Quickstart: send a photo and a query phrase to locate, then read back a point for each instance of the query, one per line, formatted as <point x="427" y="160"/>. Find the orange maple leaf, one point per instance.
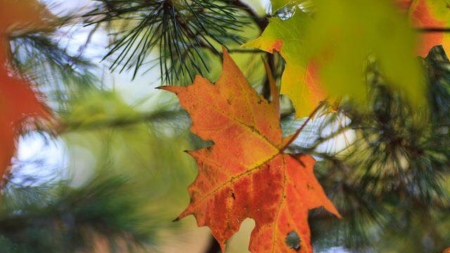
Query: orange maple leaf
<point x="17" y="100"/>
<point x="245" y="174"/>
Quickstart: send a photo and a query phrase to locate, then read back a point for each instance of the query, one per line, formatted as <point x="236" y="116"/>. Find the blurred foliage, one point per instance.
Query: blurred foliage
<point x="55" y="218"/>
<point x="128" y="177"/>
<point x="125" y="185"/>
<point x="139" y="144"/>
<point x="393" y="176"/>
<point x="354" y="31"/>
<point x="61" y="75"/>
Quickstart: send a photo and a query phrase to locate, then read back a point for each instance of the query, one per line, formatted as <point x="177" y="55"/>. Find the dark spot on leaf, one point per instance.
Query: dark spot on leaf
<point x="228" y="101"/>
<point x="232" y="195"/>
<point x="293" y="241"/>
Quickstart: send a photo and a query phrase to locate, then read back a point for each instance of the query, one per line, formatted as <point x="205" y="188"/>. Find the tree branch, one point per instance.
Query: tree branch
<point x="433" y="29"/>
<point x="118" y="122"/>
<point x="213" y="246"/>
<point x="262" y="22"/>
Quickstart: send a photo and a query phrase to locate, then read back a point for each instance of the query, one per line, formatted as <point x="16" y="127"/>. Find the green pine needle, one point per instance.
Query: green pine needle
<point x="182" y="32"/>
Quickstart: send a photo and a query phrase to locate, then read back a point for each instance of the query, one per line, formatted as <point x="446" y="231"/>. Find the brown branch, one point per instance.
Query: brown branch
<point x="433" y="29"/>
<point x="262" y="22"/>
<point x="214" y="246"/>
<point x="246" y="51"/>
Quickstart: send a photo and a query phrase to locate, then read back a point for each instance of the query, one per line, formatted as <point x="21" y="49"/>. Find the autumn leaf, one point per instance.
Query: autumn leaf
<point x="18" y="102"/>
<point x="245" y="174"/>
<point x="326" y="55"/>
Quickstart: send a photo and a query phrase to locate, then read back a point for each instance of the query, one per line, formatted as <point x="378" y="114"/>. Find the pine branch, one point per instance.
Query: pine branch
<point x="151" y="118"/>
<point x="71" y="221"/>
<point x="51" y="67"/>
<point x="213" y="246"/>
<point x="394" y="172"/>
<point x="183" y="32"/>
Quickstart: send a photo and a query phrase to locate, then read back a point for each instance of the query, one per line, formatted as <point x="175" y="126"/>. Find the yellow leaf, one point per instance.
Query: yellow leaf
<point x="334" y="48"/>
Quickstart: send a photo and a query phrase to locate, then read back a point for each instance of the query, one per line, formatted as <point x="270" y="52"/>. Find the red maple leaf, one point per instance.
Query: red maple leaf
<point x="246" y="174"/>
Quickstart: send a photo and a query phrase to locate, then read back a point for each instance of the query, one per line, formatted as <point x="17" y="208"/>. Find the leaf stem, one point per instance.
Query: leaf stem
<point x="295" y="135"/>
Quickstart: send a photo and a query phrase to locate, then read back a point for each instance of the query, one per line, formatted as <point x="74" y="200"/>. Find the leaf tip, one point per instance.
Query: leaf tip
<point x="332" y="209"/>
<point x="173" y="89"/>
<point x="163" y="88"/>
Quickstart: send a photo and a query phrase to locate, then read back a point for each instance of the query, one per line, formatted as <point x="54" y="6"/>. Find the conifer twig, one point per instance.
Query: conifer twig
<point x="295" y="135"/>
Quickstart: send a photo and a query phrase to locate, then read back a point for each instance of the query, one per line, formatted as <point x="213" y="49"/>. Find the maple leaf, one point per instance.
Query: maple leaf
<point x="245" y="174"/>
<point x="18" y="102"/>
<point x="326" y="55"/>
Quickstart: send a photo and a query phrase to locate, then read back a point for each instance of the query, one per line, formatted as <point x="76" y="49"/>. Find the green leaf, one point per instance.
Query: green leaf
<point x="345" y="34"/>
<point x="331" y="51"/>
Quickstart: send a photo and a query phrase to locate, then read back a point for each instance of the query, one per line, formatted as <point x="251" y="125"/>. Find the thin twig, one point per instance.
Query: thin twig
<point x="262" y="22"/>
<point x="246" y="51"/>
<point x="117" y="122"/>
<point x="88" y="40"/>
<point x="214" y="246"/>
<point x="295" y="135"/>
<point x="433" y="29"/>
